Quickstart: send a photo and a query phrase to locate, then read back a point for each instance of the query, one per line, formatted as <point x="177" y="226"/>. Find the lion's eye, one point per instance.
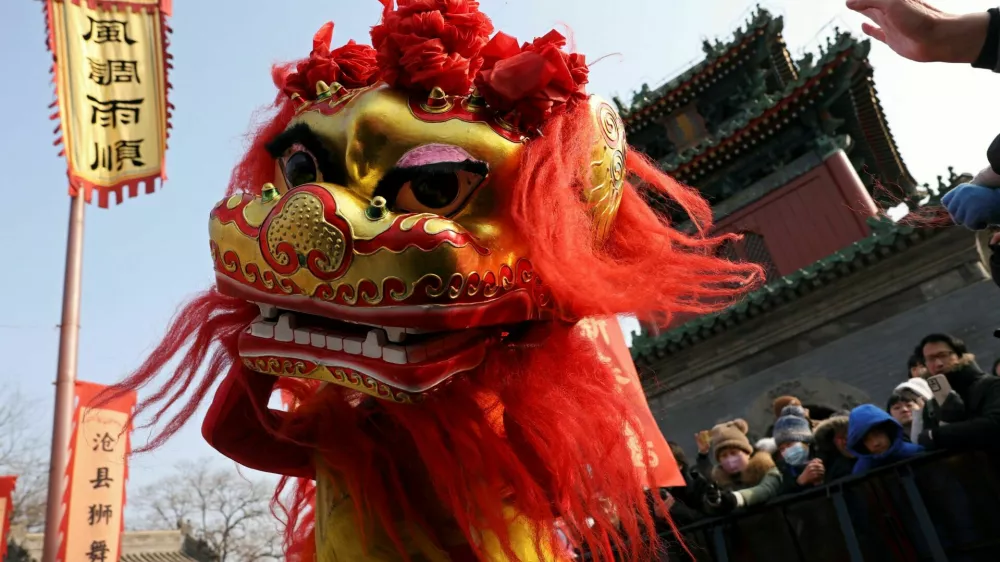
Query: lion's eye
<point x="440" y="188"/>
<point x="300" y="168"/>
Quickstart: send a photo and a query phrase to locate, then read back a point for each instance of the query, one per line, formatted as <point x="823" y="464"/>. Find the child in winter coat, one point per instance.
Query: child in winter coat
<point x="743" y="477"/>
<point x="876" y="439"/>
<point x="793" y="437"/>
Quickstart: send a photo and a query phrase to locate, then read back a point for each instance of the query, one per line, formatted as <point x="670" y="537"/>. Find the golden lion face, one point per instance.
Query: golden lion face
<point x="383" y="256"/>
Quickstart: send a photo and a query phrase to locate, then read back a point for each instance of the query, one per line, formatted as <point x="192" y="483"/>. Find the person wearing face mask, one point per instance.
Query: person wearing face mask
<point x="793" y="437"/>
<point x="743" y="477"/>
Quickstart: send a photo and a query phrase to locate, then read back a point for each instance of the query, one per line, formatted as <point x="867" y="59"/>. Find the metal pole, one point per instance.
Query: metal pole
<point x="69" y="338"/>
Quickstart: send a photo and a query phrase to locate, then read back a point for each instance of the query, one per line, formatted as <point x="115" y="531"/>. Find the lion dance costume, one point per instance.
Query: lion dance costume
<point x="413" y="250"/>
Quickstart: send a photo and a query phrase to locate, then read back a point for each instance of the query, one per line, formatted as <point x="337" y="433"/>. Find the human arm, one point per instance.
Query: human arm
<point x="762" y="492"/>
<point x="241" y="426"/>
<point x="980" y="431"/>
<point x="920" y="32"/>
<point x="973" y="206"/>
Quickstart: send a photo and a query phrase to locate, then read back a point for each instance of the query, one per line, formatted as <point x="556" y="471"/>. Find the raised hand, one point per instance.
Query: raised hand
<point x="813" y="474"/>
<point x="973" y="206"/>
<point x="920" y="32"/>
<point x="704" y="441"/>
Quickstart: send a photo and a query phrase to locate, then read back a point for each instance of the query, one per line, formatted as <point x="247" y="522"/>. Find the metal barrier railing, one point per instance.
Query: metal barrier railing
<point x="938" y="508"/>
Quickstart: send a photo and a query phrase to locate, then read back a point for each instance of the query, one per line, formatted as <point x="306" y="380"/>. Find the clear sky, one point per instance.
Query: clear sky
<point x="146" y="256"/>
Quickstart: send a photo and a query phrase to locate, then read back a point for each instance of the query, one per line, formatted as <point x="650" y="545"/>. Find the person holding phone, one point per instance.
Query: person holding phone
<point x="966" y="399"/>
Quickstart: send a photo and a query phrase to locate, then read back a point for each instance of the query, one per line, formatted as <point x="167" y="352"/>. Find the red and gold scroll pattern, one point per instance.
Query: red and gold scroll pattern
<point x="459" y="288"/>
<point x="607" y="167"/>
<point x="98" y="469"/>
<point x="283" y="367"/>
<point x="652" y="456"/>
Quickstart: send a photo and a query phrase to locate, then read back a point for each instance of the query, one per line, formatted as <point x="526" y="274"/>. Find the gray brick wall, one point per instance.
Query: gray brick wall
<point x="863" y="366"/>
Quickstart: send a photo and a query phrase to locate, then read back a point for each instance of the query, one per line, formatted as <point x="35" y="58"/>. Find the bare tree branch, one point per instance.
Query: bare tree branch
<point x="226" y="510"/>
<point x="23" y="453"/>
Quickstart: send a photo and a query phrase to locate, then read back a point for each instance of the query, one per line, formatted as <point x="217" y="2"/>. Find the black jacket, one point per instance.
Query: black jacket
<point x="837" y="465"/>
<point x="981" y="428"/>
<point x="989" y="55"/>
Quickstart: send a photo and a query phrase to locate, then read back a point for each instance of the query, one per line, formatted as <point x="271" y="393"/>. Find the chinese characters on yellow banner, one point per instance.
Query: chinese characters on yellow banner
<point x="93" y="522"/>
<point x="111" y="84"/>
<point x="653" y="450"/>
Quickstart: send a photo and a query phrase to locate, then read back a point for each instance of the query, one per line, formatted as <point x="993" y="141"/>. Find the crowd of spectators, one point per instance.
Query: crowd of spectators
<point x="946" y="402"/>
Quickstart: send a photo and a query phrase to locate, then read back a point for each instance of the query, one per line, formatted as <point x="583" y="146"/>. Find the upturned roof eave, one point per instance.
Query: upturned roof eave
<point x="763" y="23"/>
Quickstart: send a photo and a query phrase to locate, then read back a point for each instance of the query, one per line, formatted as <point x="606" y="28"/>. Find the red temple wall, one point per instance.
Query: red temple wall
<point x="810" y="218"/>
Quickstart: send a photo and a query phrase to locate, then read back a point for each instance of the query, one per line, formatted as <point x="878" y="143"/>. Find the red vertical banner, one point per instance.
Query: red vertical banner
<point x="92" y="523"/>
<point x="652" y="446"/>
<point x="7" y="484"/>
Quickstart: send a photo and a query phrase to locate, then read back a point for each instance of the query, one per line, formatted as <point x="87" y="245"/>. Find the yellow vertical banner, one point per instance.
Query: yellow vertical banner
<point x="110" y="68"/>
<point x="93" y="517"/>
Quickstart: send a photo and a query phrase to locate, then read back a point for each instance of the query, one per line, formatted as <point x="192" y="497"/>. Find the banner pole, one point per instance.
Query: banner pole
<point x="69" y="340"/>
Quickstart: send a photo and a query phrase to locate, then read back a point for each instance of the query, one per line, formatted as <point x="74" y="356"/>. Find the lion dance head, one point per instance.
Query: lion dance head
<point x="403" y="252"/>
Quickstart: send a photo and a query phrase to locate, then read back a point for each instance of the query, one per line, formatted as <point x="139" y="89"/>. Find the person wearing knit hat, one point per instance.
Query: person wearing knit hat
<point x="793" y="435"/>
<point x="792" y="427"/>
<point x="780" y="402"/>
<point x="743" y="477"/>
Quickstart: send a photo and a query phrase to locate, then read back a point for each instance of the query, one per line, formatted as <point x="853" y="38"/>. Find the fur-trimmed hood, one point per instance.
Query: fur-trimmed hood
<point x="825" y="432"/>
<point x="759" y="465"/>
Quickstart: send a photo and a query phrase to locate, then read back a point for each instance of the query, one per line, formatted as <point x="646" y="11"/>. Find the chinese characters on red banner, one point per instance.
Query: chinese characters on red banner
<point x="651" y="452"/>
<point x="98" y="470"/>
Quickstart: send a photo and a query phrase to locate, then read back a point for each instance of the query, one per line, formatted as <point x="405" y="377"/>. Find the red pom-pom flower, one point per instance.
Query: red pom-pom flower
<point x="423" y="44"/>
<point x="352" y="65"/>
<point x="528" y="84"/>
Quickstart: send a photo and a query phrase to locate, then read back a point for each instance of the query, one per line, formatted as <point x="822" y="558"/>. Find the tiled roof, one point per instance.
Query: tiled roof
<point x="765" y="112"/>
<point x="655" y="102"/>
<point x="887" y="239"/>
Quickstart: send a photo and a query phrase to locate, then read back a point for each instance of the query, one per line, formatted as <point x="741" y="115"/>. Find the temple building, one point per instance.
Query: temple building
<point x="172" y="545"/>
<point x="798" y="157"/>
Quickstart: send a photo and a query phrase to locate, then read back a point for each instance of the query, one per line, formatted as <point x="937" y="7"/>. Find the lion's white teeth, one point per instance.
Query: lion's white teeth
<point x="284" y="330"/>
<point x="353" y="345"/>
<point x="262" y="329"/>
<point x="268" y="311"/>
<point x="394" y="354"/>
<point x="302" y="336"/>
<point x="374" y="343"/>
<point x="396" y="335"/>
<point x="385" y="343"/>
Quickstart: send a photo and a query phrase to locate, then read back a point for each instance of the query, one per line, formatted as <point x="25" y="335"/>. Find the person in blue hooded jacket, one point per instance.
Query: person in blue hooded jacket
<point x="876" y="439"/>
